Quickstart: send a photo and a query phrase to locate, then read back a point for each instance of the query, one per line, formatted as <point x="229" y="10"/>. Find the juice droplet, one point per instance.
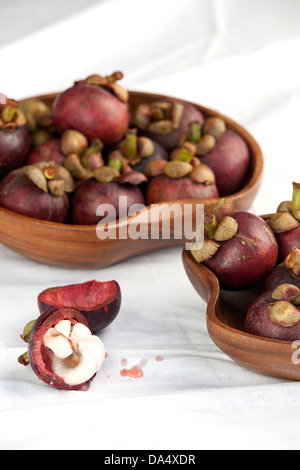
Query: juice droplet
<point x="136" y="372"/>
<point x="159" y="358"/>
<point x="123" y="362"/>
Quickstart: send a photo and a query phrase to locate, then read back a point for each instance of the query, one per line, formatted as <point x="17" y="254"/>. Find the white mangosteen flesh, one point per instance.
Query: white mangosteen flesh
<point x="77" y="354"/>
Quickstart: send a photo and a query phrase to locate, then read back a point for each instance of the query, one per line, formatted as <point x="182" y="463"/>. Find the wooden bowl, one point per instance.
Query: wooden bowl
<point x="74" y="246"/>
<point x="225" y="317"/>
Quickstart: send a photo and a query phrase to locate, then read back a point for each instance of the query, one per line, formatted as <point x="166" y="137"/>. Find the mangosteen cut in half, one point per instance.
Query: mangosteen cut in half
<point x="98" y="301"/>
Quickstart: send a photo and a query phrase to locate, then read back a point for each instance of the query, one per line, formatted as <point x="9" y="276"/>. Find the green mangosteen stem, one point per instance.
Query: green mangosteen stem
<point x="186" y="153"/>
<point x="131" y="145"/>
<point x="210" y="225"/>
<point x="114" y="77"/>
<point x="296" y="201"/>
<point x="115" y="162"/>
<point x="195" y="131"/>
<point x="8" y="113"/>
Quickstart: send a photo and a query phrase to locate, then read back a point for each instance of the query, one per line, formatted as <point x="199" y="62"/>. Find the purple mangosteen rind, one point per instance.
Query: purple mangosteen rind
<point x="91" y="194"/>
<point x="246" y="259"/>
<point x="99" y="315"/>
<point x="40" y="357"/>
<point x="14" y="149"/>
<point x="286" y="272"/>
<point x="163" y="188"/>
<point x="239" y="247"/>
<point x="230" y="161"/>
<point x="18" y="191"/>
<point x="92" y="109"/>
<point x="275" y="314"/>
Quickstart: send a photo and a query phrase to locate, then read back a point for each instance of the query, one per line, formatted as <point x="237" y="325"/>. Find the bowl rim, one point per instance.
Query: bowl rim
<point x="254" y="179"/>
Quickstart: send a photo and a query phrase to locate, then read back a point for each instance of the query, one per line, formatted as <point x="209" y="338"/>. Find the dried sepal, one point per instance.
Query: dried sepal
<point x="27" y="331"/>
<point x="106" y="174"/>
<point x="74" y="165"/>
<point x="202" y="174"/>
<point x="36" y="175"/>
<point x="292" y="261"/>
<point x="284" y="313"/>
<point x="177" y="169"/>
<point x="214" y="126"/>
<point x="109" y="82"/>
<point x="282" y="222"/>
<point x="227" y="229"/>
<point x="285" y="292"/>
<point x="205" y="145"/>
<point x="208" y="249"/>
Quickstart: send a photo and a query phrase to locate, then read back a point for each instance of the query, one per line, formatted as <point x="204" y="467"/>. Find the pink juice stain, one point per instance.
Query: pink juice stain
<point x="159" y="358"/>
<point x="136" y="372"/>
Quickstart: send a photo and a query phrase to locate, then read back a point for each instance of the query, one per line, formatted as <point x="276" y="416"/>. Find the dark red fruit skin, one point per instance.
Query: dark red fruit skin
<point x="90" y="194"/>
<point x="287" y="241"/>
<point x="99" y="302"/>
<point x="48" y="152"/>
<point x="93" y="111"/>
<point x="258" y="322"/>
<point x="171" y="141"/>
<point x="229" y="161"/>
<point x="40" y="356"/>
<point x="280" y="275"/>
<point x="14" y="149"/>
<point x="19" y="194"/>
<point x="246" y="259"/>
<point x="163" y="188"/>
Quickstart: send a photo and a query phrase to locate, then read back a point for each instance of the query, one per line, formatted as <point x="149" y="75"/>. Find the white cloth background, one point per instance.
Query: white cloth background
<point x="239" y="57"/>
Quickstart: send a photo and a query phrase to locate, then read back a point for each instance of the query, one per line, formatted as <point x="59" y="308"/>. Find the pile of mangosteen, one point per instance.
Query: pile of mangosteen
<point x="246" y="251"/>
<point x="92" y="145"/>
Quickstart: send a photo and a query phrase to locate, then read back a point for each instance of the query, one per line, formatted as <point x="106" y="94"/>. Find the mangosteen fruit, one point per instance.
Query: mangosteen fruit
<point x="49" y="151"/>
<point x="39" y="121"/>
<point x="285" y="223"/>
<point x="14" y="138"/>
<point x="181" y="178"/>
<point x="62" y="351"/>
<point x="96" y="106"/>
<point x="106" y="187"/>
<point x="286" y="272"/>
<point x="239" y="247"/>
<point x="276" y="314"/>
<point x="98" y="301"/>
<point x="39" y="191"/>
<point x="230" y="160"/>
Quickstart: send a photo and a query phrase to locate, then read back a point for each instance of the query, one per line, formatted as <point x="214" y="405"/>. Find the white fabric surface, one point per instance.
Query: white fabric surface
<point x="241" y="58"/>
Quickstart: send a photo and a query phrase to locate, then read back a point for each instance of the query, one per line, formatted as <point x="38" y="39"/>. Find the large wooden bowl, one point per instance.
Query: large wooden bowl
<point x="74" y="246"/>
<point x="225" y="317"/>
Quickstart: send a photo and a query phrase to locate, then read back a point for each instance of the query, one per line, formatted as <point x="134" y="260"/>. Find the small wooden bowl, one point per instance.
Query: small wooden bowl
<point x="225" y="317"/>
<point x="74" y="246"/>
